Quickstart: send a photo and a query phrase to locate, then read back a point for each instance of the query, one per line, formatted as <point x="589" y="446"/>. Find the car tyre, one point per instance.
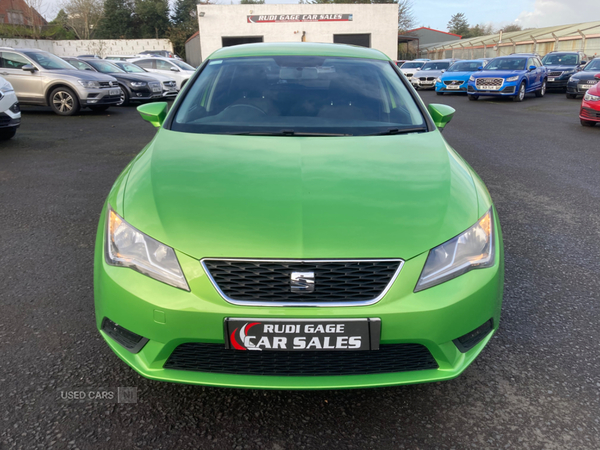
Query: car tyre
<point x="520" y="94"/>
<point x="7" y="133"/>
<point x="473" y="97"/>
<point x="99" y="108"/>
<point x="587" y="123"/>
<point x="64" y="102"/>
<point x="571" y="96"/>
<point x="541" y="91"/>
<point x="124" y="100"/>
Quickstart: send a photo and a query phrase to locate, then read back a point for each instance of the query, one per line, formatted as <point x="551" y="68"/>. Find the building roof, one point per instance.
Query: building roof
<point x="298" y="48"/>
<point x="197" y="33"/>
<point x="540" y="35"/>
<point x="431" y="29"/>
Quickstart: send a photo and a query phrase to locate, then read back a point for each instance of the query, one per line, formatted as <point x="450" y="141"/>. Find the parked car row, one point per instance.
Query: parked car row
<point x="70" y="84"/>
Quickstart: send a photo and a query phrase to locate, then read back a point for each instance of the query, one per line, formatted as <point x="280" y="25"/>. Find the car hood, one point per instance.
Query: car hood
<point x="497" y="73"/>
<point x="560" y="67"/>
<point x="134" y="77"/>
<point x="583" y="75"/>
<point x="429" y="73"/>
<point x="158" y="76"/>
<point x="457" y="75"/>
<point x="300" y="197"/>
<point x="81" y="75"/>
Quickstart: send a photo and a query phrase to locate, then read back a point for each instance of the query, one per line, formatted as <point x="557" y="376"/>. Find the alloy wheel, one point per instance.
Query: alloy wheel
<point x="63" y="101"/>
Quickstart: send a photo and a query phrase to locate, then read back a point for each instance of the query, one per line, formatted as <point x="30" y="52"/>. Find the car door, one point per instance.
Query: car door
<point x="533" y="76"/>
<point x="148" y="64"/>
<point x="166" y="68"/>
<point x="27" y="85"/>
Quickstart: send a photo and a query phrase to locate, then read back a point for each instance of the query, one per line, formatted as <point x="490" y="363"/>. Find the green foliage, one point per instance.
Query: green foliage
<point x="152" y="18"/>
<point x="459" y="25"/>
<point x="512" y="27"/>
<point x="117" y="22"/>
<point x="251" y="2"/>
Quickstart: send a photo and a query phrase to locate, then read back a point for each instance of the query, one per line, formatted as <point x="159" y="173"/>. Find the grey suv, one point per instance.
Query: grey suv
<point x="41" y="78"/>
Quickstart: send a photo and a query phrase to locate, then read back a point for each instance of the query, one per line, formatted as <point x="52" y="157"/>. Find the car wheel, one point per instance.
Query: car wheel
<point x="124" y="100"/>
<point x="7" y="133"/>
<point x="521" y="94"/>
<point x="571" y="96"/>
<point x="542" y="91"/>
<point x="99" y="108"/>
<point x="439" y="93"/>
<point x="473" y="97"/>
<point x="64" y="102"/>
<point x="587" y="123"/>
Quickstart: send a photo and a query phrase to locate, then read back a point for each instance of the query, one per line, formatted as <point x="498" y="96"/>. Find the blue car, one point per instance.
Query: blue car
<point x="455" y="79"/>
<point x="510" y="76"/>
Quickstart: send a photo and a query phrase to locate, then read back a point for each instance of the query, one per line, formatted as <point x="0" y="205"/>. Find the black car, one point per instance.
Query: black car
<point x="134" y="86"/>
<point x="580" y="82"/>
<point x="170" y="89"/>
<point x="561" y="66"/>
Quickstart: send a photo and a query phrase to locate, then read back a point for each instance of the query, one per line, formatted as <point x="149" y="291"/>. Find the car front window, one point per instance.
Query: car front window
<point x="506" y="64"/>
<point x="436" y="66"/>
<point x="104" y="67"/>
<point x="412" y="65"/>
<point x="593" y="66"/>
<point x="466" y="66"/>
<point x="131" y="68"/>
<point x="49" y="61"/>
<point x="182" y="65"/>
<point x="298" y="95"/>
<point x="561" y="59"/>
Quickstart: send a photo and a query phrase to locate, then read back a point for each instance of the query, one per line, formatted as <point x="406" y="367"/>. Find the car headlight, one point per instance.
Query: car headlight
<point x="591" y="98"/>
<point x="414" y="79"/>
<point x="438" y="80"/>
<point x="572" y="80"/>
<point x="129" y="247"/>
<point x="138" y="83"/>
<point x="6" y="89"/>
<point x="512" y="78"/>
<point x="89" y="84"/>
<point x="472" y="249"/>
<point x="471" y="78"/>
<point x="568" y="72"/>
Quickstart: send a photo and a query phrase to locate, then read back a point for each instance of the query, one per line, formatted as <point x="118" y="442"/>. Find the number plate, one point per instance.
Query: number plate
<point x="114" y="92"/>
<point x="156" y="90"/>
<point x="551" y="79"/>
<point x="452" y="87"/>
<point x="489" y="88"/>
<point x="302" y="334"/>
<point x="587" y="86"/>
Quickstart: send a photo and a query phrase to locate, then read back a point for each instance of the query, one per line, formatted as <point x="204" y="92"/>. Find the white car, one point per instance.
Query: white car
<point x="169" y="85"/>
<point x="409" y="68"/>
<point x="171" y="67"/>
<point x="121" y="57"/>
<point x="10" y="113"/>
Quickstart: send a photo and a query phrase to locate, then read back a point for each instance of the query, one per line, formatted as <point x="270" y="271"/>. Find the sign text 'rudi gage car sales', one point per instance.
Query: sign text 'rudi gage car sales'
<point x="279" y="18"/>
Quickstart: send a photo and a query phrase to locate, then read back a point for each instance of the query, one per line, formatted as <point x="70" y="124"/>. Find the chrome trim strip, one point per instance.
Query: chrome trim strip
<point x="302" y="304"/>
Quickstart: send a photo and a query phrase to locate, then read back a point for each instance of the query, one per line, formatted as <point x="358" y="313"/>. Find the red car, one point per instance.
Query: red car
<point x="590" y="106"/>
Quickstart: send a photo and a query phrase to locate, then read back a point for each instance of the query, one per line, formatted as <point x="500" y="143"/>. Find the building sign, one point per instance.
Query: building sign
<point x="283" y="18"/>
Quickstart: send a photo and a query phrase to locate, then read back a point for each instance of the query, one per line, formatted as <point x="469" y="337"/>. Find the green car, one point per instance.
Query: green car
<point x="298" y="222"/>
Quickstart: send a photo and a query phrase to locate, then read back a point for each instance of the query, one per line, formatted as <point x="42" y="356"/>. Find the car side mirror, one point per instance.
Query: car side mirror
<point x="532" y="68"/>
<point x="155" y="113"/>
<point x="583" y="63"/>
<point x="443" y="70"/>
<point x="480" y="68"/>
<point x="174" y="69"/>
<point x="29" y="68"/>
<point x="441" y="114"/>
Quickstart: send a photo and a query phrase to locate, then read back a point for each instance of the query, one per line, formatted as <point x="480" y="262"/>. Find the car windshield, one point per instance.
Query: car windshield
<point x="593" y="66"/>
<point x="466" y="66"/>
<point x="561" y="59"/>
<point x="506" y="64"/>
<point x="298" y="95"/>
<point x="104" y="66"/>
<point x="412" y="65"/>
<point x="434" y="65"/>
<point x="49" y="61"/>
<point x="181" y="64"/>
<point x="130" y="68"/>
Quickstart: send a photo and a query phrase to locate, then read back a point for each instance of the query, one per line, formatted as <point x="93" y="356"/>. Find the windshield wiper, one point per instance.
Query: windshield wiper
<point x="286" y="133"/>
<point x="400" y="131"/>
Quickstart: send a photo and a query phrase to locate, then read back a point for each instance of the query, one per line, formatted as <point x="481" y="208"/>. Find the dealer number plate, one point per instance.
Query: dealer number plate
<point x="551" y="79"/>
<point x="452" y="87"/>
<point x="156" y="89"/>
<point x="587" y="86"/>
<point x="114" y="92"/>
<point x="302" y="334"/>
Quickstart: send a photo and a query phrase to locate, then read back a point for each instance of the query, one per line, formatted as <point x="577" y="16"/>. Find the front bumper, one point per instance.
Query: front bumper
<point x="95" y="97"/>
<point x="441" y="87"/>
<point x="558" y="83"/>
<point x="144" y="94"/>
<point x="576" y="87"/>
<point x="507" y="89"/>
<point x="590" y="112"/>
<point x="11" y="117"/>
<point x="423" y="84"/>
<point x="168" y="317"/>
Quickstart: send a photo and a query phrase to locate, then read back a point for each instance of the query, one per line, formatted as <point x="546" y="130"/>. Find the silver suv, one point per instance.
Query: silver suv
<point x="43" y="79"/>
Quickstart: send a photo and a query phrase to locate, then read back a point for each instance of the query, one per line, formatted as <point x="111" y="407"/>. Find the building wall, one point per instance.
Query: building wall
<point x="17" y="12"/>
<point x="379" y="20"/>
<point x="193" y="56"/>
<point x="102" y="47"/>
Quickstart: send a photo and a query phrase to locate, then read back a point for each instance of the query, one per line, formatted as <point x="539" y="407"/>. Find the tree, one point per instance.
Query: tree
<point x="459" y="25"/>
<point x="152" y="18"/>
<point x="117" y="22"/>
<point x="406" y="16"/>
<point x="480" y="30"/>
<point x="512" y="27"/>
<point x="83" y="16"/>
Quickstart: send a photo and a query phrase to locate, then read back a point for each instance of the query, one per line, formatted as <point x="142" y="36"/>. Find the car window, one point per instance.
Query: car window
<point x="182" y="65"/>
<point x="298" y="94"/>
<point x="49" y="61"/>
<point x="466" y="66"/>
<point x="13" y="60"/>
<point x="130" y="68"/>
<point x="80" y="65"/>
<point x="163" y="65"/>
<point x="506" y="64"/>
<point x="104" y="66"/>
<point x="561" y="59"/>
<point x="530" y="62"/>
<point x="146" y="63"/>
<point x="433" y="65"/>
<point x="412" y="65"/>
<point x="593" y="66"/>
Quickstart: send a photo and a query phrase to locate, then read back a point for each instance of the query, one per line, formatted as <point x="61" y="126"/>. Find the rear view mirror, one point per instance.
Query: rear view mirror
<point x="441" y="114"/>
<point x="480" y="68"/>
<point x="29" y="68"/>
<point x="532" y="67"/>
<point x="155" y="113"/>
<point x="174" y="69"/>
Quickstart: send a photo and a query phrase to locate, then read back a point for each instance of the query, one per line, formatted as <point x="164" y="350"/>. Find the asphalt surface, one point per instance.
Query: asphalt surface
<point x="536" y="385"/>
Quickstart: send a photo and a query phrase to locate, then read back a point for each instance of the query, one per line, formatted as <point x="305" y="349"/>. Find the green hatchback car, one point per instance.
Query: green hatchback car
<point x="298" y="222"/>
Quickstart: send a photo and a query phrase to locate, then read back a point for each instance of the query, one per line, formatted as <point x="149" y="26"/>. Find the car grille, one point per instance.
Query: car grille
<point x="409" y="75"/>
<point x="590" y="113"/>
<point x="426" y="78"/>
<point x="453" y="82"/>
<point x="215" y="358"/>
<point x="588" y="82"/>
<point x="483" y="83"/>
<point x="169" y="84"/>
<point x="268" y="281"/>
<point x="554" y="74"/>
<point x="107" y="84"/>
<point x="154" y="84"/>
<point x="4" y="119"/>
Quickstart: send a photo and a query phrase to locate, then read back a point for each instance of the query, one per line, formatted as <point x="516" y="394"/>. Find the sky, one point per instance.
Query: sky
<point x="436" y="13"/>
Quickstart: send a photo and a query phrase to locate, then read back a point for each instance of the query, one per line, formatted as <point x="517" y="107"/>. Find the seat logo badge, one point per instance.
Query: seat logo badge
<point x="302" y="282"/>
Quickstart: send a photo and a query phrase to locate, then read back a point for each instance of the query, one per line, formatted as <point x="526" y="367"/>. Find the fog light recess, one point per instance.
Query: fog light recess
<point x="131" y="341"/>
<point x="471" y="339"/>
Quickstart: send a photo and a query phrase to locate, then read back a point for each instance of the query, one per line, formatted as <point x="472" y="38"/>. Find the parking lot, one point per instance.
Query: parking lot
<point x="536" y="385"/>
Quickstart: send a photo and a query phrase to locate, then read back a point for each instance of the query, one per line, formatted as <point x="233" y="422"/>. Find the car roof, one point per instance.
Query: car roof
<point x="297" y="48"/>
<point x="24" y="49"/>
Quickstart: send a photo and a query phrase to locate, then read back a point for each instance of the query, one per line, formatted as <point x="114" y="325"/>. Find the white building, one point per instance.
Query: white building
<point x="368" y="25"/>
